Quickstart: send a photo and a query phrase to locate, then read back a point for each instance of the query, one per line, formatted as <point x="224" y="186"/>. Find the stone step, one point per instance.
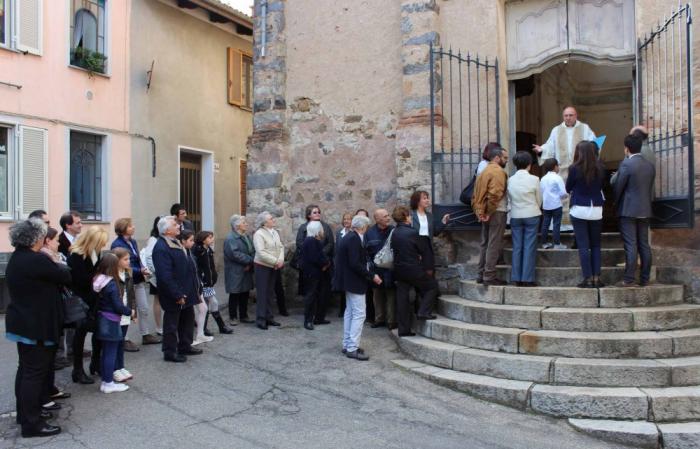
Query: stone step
<point x="627" y="345"/>
<point x="607" y="239"/>
<point x="608" y="297"/>
<point x="683" y="371"/>
<point x="679" y="316"/>
<point x="680" y="435"/>
<point x="674" y="404"/>
<point x="610" y="257"/>
<point x="637" y="434"/>
<point x="568" y="276"/>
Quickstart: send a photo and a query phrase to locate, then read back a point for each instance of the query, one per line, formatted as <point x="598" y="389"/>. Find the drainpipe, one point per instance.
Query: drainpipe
<point x="263" y="38"/>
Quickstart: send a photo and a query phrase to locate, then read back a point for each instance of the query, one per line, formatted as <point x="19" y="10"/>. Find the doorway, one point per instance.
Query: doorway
<point x="191" y="187"/>
<point x="603" y="97"/>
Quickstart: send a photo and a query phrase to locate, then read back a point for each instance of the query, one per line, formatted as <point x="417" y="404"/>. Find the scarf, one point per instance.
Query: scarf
<point x="563" y="155"/>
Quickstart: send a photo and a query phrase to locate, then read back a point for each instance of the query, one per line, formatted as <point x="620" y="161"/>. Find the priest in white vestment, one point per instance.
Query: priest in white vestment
<point x="561" y="145"/>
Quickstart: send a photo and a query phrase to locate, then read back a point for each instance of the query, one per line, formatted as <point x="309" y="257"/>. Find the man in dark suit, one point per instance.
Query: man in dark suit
<point x="634" y="192"/>
<point x="352" y="276"/>
<point x="410" y="272"/>
<point x="178" y="291"/>
<point x="71" y="224"/>
<point x="179" y="213"/>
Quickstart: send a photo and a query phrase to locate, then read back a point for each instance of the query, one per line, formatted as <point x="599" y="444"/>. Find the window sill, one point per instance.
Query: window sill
<point x="96" y="222"/>
<point x="10" y="49"/>
<point x="7" y="220"/>
<point x="103" y="75"/>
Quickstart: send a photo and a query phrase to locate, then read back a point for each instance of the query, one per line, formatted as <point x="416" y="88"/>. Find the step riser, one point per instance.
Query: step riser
<point x="643" y="347"/>
<point x="654" y="295"/>
<point x="569" y="257"/>
<point x="581" y="402"/>
<point x="674" y="404"/>
<point x="607" y="240"/>
<point x="570" y="319"/>
<point x="569" y="277"/>
<point x="557" y="371"/>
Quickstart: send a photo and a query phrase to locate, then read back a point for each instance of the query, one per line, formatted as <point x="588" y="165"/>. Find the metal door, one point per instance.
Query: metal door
<point x="191" y="188"/>
<point x="464" y="117"/>
<point x="665" y="106"/>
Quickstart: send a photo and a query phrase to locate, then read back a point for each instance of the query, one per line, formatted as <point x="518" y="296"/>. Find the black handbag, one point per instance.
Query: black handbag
<point x="466" y="195"/>
<point x="74" y="308"/>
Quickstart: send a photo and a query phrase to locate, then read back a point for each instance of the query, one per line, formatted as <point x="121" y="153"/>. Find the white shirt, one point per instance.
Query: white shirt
<point x="553" y="191"/>
<point x="125" y="320"/>
<point x="423" y="220"/>
<point x="587" y="212"/>
<point x="482" y="165"/>
<point x="524" y="195"/>
<point x="70" y="237"/>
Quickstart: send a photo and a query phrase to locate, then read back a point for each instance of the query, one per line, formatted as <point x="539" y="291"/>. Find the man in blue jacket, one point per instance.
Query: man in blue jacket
<point x="383" y="295"/>
<point x="178" y="291"/>
<point x="352" y="276"/>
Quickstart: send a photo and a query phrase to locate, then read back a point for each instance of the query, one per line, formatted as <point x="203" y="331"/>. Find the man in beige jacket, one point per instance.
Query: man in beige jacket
<point x="490" y="206"/>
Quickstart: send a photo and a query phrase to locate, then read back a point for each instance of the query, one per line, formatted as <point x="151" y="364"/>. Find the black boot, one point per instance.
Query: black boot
<point x="206" y="331"/>
<point x="223" y="329"/>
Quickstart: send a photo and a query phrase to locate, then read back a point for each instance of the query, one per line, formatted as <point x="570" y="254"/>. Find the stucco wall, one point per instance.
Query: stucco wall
<point x="186" y="105"/>
<point x="56" y="97"/>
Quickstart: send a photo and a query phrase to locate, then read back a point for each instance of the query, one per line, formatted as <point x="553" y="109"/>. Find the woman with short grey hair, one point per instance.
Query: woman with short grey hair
<point x="34" y="322"/>
<point x="164" y="223"/>
<point x="238" y="269"/>
<point x="313" y="264"/>
<point x="269" y="257"/>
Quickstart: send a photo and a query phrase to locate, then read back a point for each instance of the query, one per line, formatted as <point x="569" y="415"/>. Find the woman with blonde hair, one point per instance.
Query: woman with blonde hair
<point x="83" y="259"/>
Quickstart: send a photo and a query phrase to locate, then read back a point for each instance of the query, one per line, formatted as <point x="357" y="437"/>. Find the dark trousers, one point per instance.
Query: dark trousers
<point x="120" y="349"/>
<point x="109" y="359"/>
<point x="587" y="234"/>
<point x="279" y="292"/>
<point x="369" y="304"/>
<point x="341" y="304"/>
<point x="238" y="305"/>
<point x="79" y="344"/>
<point x="491" y="245"/>
<point x="31" y="382"/>
<point x="178" y="330"/>
<point x="551" y="216"/>
<point x="312" y="291"/>
<point x="265" y="278"/>
<point x="428" y="288"/>
<point x="635" y="235"/>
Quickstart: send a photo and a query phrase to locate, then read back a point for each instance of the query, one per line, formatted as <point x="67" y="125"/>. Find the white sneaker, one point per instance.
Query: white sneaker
<point x="119" y="376"/>
<point x="547" y="246"/>
<point x="127" y="373"/>
<point x="560" y="246"/>
<point x="111" y="387"/>
<point x="201" y="339"/>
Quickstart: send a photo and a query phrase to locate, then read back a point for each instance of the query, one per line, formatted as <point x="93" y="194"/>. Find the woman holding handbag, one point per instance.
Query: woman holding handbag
<point x="83" y="259"/>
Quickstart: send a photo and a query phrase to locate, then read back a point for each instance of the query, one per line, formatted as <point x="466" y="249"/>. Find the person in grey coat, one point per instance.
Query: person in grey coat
<point x="634" y="192"/>
<point x="238" y="269"/>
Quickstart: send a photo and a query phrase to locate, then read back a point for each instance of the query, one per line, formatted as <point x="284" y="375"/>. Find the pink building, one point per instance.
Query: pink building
<point x="64" y="140"/>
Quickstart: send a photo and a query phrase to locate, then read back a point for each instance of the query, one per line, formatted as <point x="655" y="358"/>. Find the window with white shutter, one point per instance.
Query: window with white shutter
<point x="6" y="138"/>
<point x="32" y="169"/>
<point x="29" y="25"/>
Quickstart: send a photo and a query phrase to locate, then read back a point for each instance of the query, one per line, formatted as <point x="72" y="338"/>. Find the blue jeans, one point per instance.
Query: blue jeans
<point x="524" y="235"/>
<point x="554" y="216"/>
<point x="109" y="359"/>
<point x="353" y="321"/>
<point x="120" y="350"/>
<point x="587" y="233"/>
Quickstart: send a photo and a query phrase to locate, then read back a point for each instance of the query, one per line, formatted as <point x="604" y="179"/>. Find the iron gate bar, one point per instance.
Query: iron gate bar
<point x="477" y="91"/>
<point x="670" y="123"/>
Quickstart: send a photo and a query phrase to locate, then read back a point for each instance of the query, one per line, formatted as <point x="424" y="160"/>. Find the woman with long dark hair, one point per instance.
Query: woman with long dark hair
<point x="146" y="255"/>
<point x="585" y="184"/>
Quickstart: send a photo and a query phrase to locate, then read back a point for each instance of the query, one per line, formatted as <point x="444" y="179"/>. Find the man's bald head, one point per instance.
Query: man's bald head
<point x="382" y="218"/>
<point x="570" y="116"/>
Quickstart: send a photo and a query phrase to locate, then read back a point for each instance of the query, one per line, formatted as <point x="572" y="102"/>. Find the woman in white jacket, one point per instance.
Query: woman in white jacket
<point x="146" y="256"/>
<point x="269" y="257"/>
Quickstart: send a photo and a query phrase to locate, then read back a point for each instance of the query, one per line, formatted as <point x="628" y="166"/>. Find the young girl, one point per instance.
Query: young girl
<point x="201" y="310"/>
<point x="553" y="192"/>
<point x="112" y="310"/>
<point x="204" y="256"/>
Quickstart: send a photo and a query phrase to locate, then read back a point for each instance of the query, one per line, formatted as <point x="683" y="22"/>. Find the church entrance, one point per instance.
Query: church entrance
<point x="602" y="96"/>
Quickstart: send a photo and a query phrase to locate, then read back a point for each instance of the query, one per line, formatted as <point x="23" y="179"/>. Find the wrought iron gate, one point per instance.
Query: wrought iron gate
<point x="665" y="106"/>
<point x="464" y="117"/>
<point x="191" y="188"/>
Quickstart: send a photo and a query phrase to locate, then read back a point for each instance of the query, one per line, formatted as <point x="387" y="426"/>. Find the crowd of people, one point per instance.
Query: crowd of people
<point x="533" y="204"/>
<point x="64" y="284"/>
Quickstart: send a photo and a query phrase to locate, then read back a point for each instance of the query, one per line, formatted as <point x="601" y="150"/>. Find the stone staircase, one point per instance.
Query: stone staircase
<point x="620" y="363"/>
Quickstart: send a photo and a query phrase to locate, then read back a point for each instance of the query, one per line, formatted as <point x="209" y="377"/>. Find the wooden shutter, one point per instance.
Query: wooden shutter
<point x="244" y="178"/>
<point x="29" y="26"/>
<point x="33" y="178"/>
<point x="235" y="72"/>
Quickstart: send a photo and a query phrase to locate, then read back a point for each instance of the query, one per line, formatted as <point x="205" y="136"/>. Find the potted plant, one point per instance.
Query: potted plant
<point x="92" y="61"/>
